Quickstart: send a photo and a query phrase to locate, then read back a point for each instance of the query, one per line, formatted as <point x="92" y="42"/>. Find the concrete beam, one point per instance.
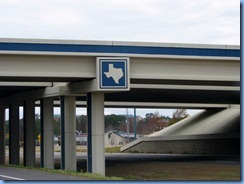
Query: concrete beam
<point x="141" y="67"/>
<point x="164" y="105"/>
<point x="25" y="84"/>
<point x="34" y="94"/>
<point x="185" y="87"/>
<point x="185" y="69"/>
<point x="109" y="104"/>
<point x="48" y="67"/>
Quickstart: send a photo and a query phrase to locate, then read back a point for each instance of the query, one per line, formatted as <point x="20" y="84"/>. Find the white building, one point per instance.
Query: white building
<point x="113" y="138"/>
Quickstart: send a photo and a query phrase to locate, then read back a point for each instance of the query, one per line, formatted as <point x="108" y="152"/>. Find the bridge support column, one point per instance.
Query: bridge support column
<point x="14" y="143"/>
<point x="2" y="136"/>
<point x="47" y="138"/>
<point x="29" y="133"/>
<point x="95" y="114"/>
<point x="68" y="133"/>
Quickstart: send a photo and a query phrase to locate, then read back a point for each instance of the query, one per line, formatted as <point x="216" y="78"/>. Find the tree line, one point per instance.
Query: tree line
<point x="152" y="122"/>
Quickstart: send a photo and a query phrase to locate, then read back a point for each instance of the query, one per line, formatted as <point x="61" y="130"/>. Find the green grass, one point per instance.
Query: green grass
<point x="69" y="173"/>
<point x="112" y="149"/>
<point x="83" y="149"/>
<point x="172" y="171"/>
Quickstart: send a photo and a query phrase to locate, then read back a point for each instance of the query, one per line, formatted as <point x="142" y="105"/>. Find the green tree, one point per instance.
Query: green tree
<point x="178" y="115"/>
<point x="37" y="125"/>
<point x="56" y="127"/>
<point x="149" y="115"/>
<point x="113" y="121"/>
<point x="6" y="130"/>
<point x="151" y="123"/>
<point x="81" y="123"/>
<point x="6" y="126"/>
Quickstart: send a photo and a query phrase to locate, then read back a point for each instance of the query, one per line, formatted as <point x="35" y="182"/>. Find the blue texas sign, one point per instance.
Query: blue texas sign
<point x="113" y="73"/>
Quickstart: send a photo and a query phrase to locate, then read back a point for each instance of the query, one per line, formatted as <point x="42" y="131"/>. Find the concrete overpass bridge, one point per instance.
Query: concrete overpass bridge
<point x="157" y="75"/>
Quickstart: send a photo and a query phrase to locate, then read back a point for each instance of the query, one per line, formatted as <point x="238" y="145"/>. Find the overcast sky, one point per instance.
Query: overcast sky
<point x="177" y="21"/>
<point x="174" y="21"/>
<point x="118" y="111"/>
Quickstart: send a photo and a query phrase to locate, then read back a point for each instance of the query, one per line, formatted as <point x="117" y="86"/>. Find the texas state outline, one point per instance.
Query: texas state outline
<point x="115" y="73"/>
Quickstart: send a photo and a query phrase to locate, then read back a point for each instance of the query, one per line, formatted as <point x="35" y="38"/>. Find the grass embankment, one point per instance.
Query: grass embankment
<point x="80" y="149"/>
<point x="190" y="171"/>
<point x="165" y="171"/>
<point x="73" y="173"/>
<point x="69" y="173"/>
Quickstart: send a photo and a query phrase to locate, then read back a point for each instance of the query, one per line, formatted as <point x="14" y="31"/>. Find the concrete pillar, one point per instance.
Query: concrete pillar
<point x="68" y="133"/>
<point x="47" y="137"/>
<point x="14" y="134"/>
<point x="95" y="113"/>
<point x="2" y="136"/>
<point x="29" y="133"/>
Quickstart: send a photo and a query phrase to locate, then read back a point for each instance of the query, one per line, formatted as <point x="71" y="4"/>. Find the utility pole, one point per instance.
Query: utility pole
<point x="134" y="123"/>
<point x="127" y="124"/>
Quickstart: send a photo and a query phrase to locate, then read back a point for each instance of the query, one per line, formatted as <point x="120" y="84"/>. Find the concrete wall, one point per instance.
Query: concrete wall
<point x="202" y="145"/>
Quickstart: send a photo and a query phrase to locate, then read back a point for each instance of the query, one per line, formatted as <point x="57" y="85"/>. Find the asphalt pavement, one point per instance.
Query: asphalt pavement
<point x="18" y="174"/>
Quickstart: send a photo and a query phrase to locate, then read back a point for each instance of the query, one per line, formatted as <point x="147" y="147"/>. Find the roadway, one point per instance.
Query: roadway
<point x="10" y="173"/>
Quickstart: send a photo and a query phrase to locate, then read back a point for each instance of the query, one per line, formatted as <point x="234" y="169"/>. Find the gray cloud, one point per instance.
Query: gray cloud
<point x="182" y="21"/>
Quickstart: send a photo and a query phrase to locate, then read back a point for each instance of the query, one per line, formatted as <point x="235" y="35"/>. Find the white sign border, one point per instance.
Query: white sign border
<point x="127" y="74"/>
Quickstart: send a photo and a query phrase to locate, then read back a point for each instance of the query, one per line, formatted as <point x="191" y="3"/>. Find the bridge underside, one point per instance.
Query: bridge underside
<point x="175" y="96"/>
<point x="159" y="93"/>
